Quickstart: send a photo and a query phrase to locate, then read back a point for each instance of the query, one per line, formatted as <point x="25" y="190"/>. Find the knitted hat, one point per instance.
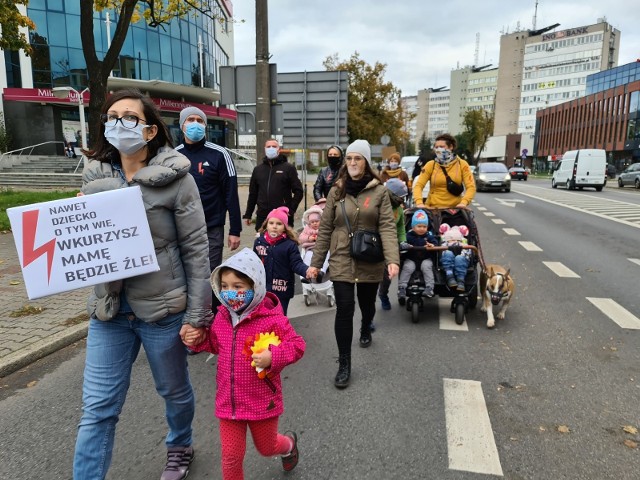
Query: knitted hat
<point x="419" y="218"/>
<point x="394" y="157"/>
<point x="397" y="187"/>
<point x="361" y="147"/>
<point x="314" y="210"/>
<point x="185" y="113"/>
<point x="281" y="213"/>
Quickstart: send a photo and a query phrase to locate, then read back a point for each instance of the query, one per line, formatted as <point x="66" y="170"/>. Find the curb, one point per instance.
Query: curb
<point x="42" y="348"/>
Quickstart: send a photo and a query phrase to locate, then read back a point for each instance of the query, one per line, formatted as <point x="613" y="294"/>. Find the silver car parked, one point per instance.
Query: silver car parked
<point x="630" y="176"/>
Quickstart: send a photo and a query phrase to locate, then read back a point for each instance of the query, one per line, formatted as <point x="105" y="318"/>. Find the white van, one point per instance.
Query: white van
<point x="581" y="168"/>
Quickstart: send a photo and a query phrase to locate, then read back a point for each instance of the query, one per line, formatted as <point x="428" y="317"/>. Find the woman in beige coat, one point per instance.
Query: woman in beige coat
<point x="368" y="207"/>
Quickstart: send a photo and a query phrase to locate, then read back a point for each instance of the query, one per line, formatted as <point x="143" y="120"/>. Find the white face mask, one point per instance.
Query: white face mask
<point x="125" y="140"/>
<point x="271" y="152"/>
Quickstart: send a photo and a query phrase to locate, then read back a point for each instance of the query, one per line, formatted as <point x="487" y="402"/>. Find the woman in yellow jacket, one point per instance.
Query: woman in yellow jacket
<point x="435" y="172"/>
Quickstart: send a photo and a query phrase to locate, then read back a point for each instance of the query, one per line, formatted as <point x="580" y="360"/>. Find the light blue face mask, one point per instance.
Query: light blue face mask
<point x="195" y="131"/>
<point x="125" y="140"/>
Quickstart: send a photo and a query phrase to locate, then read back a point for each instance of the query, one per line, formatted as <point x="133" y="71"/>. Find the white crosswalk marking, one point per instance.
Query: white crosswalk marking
<point x="470" y="442"/>
<point x="448" y="319"/>
<point x="511" y="231"/>
<point x="497" y="221"/>
<point x="634" y="260"/>
<point x="616" y="312"/>
<point x="560" y="270"/>
<point x="482" y="209"/>
<point x="489" y="214"/>
<point x="530" y="246"/>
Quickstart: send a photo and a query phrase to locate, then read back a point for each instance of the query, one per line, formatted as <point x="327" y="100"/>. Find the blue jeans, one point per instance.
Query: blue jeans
<point x="112" y="347"/>
<point x="454" y="264"/>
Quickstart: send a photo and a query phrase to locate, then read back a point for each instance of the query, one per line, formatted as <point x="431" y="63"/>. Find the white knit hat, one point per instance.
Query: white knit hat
<point x="362" y="147"/>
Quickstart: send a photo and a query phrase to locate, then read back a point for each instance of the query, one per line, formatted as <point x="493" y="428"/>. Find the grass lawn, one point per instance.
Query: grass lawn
<point x="16" y="198"/>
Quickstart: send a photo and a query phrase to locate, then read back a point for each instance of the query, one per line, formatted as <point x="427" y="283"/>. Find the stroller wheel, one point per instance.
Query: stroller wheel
<point x="307" y="302"/>
<point x="331" y="301"/>
<point x="415" y="312"/>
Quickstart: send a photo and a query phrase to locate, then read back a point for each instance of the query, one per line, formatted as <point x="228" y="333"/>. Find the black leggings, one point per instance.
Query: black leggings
<point x="345" y="309"/>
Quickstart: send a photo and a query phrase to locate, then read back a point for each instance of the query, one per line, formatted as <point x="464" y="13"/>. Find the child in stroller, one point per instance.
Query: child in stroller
<point x="308" y="236"/>
<point x="463" y="298"/>
<point x="417" y="258"/>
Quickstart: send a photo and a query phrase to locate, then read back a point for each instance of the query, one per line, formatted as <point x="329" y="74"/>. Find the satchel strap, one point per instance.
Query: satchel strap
<point x="346" y="218"/>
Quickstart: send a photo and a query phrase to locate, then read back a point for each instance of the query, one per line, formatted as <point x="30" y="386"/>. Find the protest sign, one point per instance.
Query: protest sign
<point x="76" y="242"/>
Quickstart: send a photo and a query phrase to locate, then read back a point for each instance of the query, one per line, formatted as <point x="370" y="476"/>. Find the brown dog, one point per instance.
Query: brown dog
<point x="496" y="287"/>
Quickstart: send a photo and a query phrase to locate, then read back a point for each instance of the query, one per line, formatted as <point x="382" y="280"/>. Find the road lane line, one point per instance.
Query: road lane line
<point x="616" y="312"/>
<point x="448" y="319"/>
<point x="560" y="270"/>
<point x="489" y="214"/>
<point x="634" y="260"/>
<point x="511" y="231"/>
<point x="470" y="442"/>
<point x="482" y="209"/>
<point x="497" y="221"/>
<point x="530" y="246"/>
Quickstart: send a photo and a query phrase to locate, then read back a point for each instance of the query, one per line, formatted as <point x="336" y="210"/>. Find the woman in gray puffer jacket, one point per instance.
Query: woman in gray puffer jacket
<point x="134" y="149"/>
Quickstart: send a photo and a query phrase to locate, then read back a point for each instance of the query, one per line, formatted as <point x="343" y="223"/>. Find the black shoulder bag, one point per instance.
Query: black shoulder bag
<point x="453" y="188"/>
<point x="366" y="246"/>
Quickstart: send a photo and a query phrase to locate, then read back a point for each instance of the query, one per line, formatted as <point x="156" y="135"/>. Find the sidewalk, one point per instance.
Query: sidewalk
<point x="32" y="329"/>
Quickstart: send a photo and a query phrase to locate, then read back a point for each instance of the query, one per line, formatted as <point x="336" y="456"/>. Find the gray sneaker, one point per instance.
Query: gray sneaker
<point x="178" y="461"/>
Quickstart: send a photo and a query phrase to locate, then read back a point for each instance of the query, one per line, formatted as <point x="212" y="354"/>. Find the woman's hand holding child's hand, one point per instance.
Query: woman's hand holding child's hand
<point x="262" y="359"/>
<point x="191" y="335"/>
<point x="312" y="272"/>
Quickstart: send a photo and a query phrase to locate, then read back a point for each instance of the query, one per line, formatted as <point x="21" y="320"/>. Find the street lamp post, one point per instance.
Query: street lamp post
<point x="65" y="92"/>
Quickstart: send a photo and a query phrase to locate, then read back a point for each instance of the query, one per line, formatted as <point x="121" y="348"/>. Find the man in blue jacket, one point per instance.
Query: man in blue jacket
<point x="215" y="175"/>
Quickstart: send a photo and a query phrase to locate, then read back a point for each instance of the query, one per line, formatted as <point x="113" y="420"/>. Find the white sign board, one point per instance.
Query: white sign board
<point x="77" y="242"/>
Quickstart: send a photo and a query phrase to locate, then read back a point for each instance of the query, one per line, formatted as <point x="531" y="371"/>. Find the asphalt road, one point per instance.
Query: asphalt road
<point x="557" y="381"/>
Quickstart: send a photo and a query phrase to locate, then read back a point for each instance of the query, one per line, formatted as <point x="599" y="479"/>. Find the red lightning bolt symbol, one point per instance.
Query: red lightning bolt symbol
<point x="29" y="253"/>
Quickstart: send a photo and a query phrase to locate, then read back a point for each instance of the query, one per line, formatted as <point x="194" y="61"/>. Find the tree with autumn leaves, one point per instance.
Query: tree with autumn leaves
<point x="157" y="14"/>
<point x="375" y="108"/>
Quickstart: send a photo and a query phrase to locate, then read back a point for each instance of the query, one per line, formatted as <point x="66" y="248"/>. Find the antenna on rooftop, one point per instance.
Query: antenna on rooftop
<point x="476" y="59"/>
<point x="535" y="16"/>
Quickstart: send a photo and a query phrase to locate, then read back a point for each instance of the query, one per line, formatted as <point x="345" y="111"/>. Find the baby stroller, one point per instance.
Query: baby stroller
<point x="315" y="288"/>
<point x="461" y="300"/>
<point x="322" y="285"/>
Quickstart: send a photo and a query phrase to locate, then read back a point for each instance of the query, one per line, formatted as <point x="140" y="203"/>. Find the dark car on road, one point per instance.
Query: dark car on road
<point x="630" y="176"/>
<point x="492" y="176"/>
<point x="518" y="173"/>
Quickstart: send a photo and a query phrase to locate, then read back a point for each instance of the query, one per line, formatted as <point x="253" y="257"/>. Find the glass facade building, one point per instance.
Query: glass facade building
<point x="170" y="54"/>
<point x="614" y="77"/>
<point x="608" y="118"/>
<point x="176" y="64"/>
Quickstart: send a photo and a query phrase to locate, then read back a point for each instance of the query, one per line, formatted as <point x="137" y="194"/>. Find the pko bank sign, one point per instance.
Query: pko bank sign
<point x="565" y="33"/>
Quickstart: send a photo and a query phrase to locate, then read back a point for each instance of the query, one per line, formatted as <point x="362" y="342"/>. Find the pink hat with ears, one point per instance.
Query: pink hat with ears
<point x="281" y="213"/>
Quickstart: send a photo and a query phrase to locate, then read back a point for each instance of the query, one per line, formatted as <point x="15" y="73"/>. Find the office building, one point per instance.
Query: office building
<point x="607" y="117"/>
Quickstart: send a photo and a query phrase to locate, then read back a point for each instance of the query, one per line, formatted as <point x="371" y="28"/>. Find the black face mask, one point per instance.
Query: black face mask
<point x="335" y="162"/>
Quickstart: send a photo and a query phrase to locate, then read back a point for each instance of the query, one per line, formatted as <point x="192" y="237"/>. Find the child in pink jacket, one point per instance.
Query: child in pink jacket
<point x="249" y="390"/>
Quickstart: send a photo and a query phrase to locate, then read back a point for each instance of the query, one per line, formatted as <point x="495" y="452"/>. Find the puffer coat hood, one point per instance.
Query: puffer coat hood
<point x="178" y="229"/>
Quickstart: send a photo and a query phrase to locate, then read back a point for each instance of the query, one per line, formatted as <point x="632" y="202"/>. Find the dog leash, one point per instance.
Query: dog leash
<point x="483" y="265"/>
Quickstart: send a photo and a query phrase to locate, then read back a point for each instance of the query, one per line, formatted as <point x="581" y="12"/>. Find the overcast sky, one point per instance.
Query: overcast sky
<point x="419" y="43"/>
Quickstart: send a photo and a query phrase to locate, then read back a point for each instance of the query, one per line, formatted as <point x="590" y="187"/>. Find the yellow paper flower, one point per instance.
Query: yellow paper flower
<point x="260" y="344"/>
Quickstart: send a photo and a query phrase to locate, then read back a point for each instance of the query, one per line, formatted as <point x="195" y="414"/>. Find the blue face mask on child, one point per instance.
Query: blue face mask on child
<point x="194" y="131"/>
<point x="237" y="300"/>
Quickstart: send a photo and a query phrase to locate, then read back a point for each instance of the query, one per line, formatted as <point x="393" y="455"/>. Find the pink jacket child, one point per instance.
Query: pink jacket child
<point x="247" y="395"/>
